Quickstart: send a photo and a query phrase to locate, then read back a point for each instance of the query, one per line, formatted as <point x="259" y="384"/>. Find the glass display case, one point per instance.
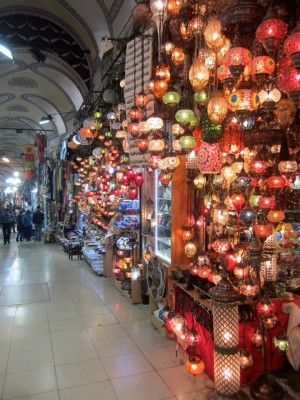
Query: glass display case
<point x="163" y="220"/>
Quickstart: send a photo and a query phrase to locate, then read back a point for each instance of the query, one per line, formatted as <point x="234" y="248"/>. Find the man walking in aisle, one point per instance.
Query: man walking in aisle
<point x="7" y="219"/>
<point x="37" y="220"/>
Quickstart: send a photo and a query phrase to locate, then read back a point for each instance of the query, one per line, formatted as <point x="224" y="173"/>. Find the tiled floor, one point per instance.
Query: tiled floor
<point x="87" y="342"/>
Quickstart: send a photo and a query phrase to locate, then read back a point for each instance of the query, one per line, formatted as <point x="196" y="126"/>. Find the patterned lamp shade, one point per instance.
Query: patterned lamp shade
<point x="237" y="58"/>
<point x="271" y="32"/>
<point x="171" y="98"/>
<point x="289" y="82"/>
<point x="225" y="76"/>
<point x="199" y="75"/>
<point x="213" y="36"/>
<point x="292" y="46"/>
<point x="209" y="158"/>
<point x="261" y="67"/>
<point x="232" y="140"/>
<point x="217" y="108"/>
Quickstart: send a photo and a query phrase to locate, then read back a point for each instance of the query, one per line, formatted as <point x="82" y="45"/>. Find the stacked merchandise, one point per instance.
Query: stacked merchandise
<point x="93" y="252"/>
<point x="72" y="240"/>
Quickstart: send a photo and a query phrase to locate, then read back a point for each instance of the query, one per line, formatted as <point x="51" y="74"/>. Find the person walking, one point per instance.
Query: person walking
<point x="27" y="223"/>
<point x="38" y="219"/>
<point x="20" y="226"/>
<point x="7" y="219"/>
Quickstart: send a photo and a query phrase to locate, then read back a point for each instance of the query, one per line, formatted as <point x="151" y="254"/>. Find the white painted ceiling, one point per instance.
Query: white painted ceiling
<point x="68" y="33"/>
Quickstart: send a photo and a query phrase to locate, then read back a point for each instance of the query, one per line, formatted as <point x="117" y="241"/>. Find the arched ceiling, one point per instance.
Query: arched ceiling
<point x="55" y="45"/>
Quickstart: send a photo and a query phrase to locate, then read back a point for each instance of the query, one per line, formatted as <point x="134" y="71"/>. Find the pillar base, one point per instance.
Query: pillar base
<point x="266" y="391"/>
<point x="239" y="396"/>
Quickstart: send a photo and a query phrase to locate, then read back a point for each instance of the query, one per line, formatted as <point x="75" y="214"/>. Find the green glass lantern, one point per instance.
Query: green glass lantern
<point x="97" y="115"/>
<point x="281" y="342"/>
<point x="201" y="97"/>
<point x="184" y="116"/>
<point x="211" y="133"/>
<point x="187" y="143"/>
<point x="171" y="99"/>
<point x="253" y="200"/>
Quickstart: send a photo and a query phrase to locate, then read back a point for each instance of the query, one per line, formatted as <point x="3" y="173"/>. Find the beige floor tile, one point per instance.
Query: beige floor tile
<point x="152" y="340"/>
<point x="139" y="327"/>
<point x="93" y="310"/>
<point x="30" y="342"/>
<point x="8" y="311"/>
<point x="126" y="365"/>
<point x="131" y="315"/>
<point x="26" y="319"/>
<point x="42" y="396"/>
<point x="148" y="386"/>
<point x="2" y="379"/>
<point x="75" y="353"/>
<point x="96" y="391"/>
<point x="180" y="382"/>
<point x="82" y="373"/>
<point x="69" y="324"/>
<point x="107" y="332"/>
<point x="198" y="395"/>
<point x="29" y="382"/>
<point x="165" y="357"/>
<point x="67" y="338"/>
<point x="28" y="360"/>
<point x="57" y="315"/>
<point x="99" y="320"/>
<point x="115" y="347"/>
<point x="3" y="363"/>
<point x="5" y="344"/>
<point x="33" y="328"/>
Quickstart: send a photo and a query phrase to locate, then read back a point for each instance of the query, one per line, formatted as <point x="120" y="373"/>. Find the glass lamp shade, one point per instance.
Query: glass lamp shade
<point x="173" y="7"/>
<point x="261" y="67"/>
<point x="165" y="178"/>
<point x="232" y="140"/>
<point x="184" y="116"/>
<point x="243" y="100"/>
<point x="141" y="100"/>
<point x="265" y="308"/>
<point x="150" y="85"/>
<point x="177" y="322"/>
<point x="141" y="12"/>
<point x="160" y="87"/>
<point x="144" y="128"/>
<point x="246" y="359"/>
<point x="135" y="113"/>
<point x="288" y="167"/>
<point x="178" y="56"/>
<point x="134" y="129"/>
<point x="194" y="365"/>
<point x="156" y="145"/>
<point x="111" y="116"/>
<point x="171" y="98"/>
<point x="209" y="158"/>
<point x="196" y="25"/>
<point x="213" y="36"/>
<point x="190" y="249"/>
<point x="204" y="271"/>
<point x="133" y="193"/>
<point x="292" y="46"/>
<point x="259" y="167"/>
<point x="176" y="146"/>
<point x="262" y="230"/>
<point x="238" y="201"/>
<point x="211" y="132"/>
<point x="162" y="72"/>
<point x="158" y="9"/>
<point x="192" y="337"/>
<point x="253" y="200"/>
<point x="276" y="182"/>
<point x="275" y="216"/>
<point x="248" y="288"/>
<point x="199" y="74"/>
<point x="199" y="181"/>
<point x="270" y="33"/>
<point x="177" y="130"/>
<point x="228" y="175"/>
<point x="225" y="76"/>
<point x="172" y="162"/>
<point x="220" y="214"/>
<point x="266" y="202"/>
<point x="217" y="108"/>
<point x="187" y="143"/>
<point x="237" y="58"/>
<point x="121" y="134"/>
<point x="187" y="233"/>
<point x="200" y="97"/>
<point x="240" y="271"/>
<point x="285" y="112"/>
<point x="256" y="337"/>
<point x="248" y="216"/>
<point x="271" y="97"/>
<point x="88" y="133"/>
<point x="289" y="82"/>
<point x="153" y="160"/>
<point x="155" y="123"/>
<point x="167" y="48"/>
<point x="281" y="342"/>
<point x="142" y="144"/>
<point x="209" y="58"/>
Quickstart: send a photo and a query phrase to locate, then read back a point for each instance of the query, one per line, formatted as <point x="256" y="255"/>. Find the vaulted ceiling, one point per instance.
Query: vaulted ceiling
<point x="55" y="45"/>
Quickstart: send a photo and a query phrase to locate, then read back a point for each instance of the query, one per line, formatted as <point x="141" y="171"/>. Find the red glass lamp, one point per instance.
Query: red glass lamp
<point x="142" y="144"/>
<point x="133" y="129"/>
<point x="238" y="201"/>
<point x="246" y="359"/>
<point x="262" y="229"/>
<point x="261" y="68"/>
<point x="237" y="58"/>
<point x="209" y="158"/>
<point x="271" y="32"/>
<point x="135" y="113"/>
<point x="194" y="365"/>
<point x="265" y="308"/>
<point x="165" y="178"/>
<point x="292" y="46"/>
<point x="225" y="76"/>
<point x="249" y="289"/>
<point x="187" y="233"/>
<point x="289" y="82"/>
<point x="141" y="100"/>
<point x="266" y="201"/>
<point x="232" y="140"/>
<point x="276" y="182"/>
<point x="275" y="216"/>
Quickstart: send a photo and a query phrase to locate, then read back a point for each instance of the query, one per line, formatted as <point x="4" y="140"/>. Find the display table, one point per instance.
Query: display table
<point x="189" y="304"/>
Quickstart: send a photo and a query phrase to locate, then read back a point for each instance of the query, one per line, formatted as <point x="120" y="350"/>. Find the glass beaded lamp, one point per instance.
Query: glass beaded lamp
<point x="289" y="82"/>
<point x="232" y="140"/>
<point x="261" y="68"/>
<point x="281" y="341"/>
<point x="237" y="58"/>
<point x="209" y="158"/>
<point x="244" y="100"/>
<point x="160" y="86"/>
<point x="271" y="31"/>
<point x="291" y="46"/>
<point x="194" y="365"/>
<point x="187" y="143"/>
<point x="156" y="145"/>
<point x="173" y="7"/>
<point x="225" y="76"/>
<point x="184" y="117"/>
<point x="155" y="123"/>
<point x="141" y="100"/>
<point x="178" y="56"/>
<point x="171" y="99"/>
<point x="246" y="359"/>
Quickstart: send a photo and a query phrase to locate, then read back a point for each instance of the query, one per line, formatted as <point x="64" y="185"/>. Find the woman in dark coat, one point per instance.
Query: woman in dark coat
<point x="20" y="226"/>
<point x="27" y="223"/>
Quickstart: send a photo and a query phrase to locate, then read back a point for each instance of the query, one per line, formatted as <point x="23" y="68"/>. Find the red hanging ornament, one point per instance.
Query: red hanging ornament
<point x="132" y="193"/>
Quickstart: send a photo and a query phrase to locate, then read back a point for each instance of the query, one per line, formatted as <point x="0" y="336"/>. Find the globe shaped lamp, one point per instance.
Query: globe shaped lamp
<point x="292" y="46"/>
<point x="213" y="36"/>
<point x="199" y="74"/>
<point x="171" y="99"/>
<point x="217" y="108"/>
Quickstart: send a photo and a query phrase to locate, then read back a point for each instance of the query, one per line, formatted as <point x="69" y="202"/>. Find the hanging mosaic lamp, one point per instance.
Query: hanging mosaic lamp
<point x="171" y="99"/>
<point x="271" y="31"/>
<point x="160" y="87"/>
<point x="289" y="82"/>
<point x="246" y="359"/>
<point x="213" y="36"/>
<point x="285" y="111"/>
<point x="199" y="74"/>
<point x="225" y="76"/>
<point x="184" y="117"/>
<point x="237" y="58"/>
<point x="232" y="139"/>
<point x="244" y="100"/>
<point x="209" y="158"/>
<point x="281" y="341"/>
<point x="165" y="178"/>
<point x="211" y="133"/>
<point x="187" y="143"/>
<point x="291" y="46"/>
<point x="201" y="97"/>
<point x="178" y="56"/>
<point x="142" y="100"/>
<point x="261" y="68"/>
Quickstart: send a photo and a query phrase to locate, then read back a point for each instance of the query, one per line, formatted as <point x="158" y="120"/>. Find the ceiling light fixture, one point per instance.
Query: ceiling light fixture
<point x="5" y="159"/>
<point x="6" y="51"/>
<point x="45" y="120"/>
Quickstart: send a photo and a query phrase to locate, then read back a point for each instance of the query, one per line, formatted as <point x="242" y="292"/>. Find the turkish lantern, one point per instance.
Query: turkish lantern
<point x="199" y="74"/>
<point x="292" y="46"/>
<point x="194" y="365"/>
<point x="165" y="178"/>
<point x="178" y="56"/>
<point x="217" y="108"/>
<point x="232" y="140"/>
<point x="213" y="36"/>
<point x="209" y="158"/>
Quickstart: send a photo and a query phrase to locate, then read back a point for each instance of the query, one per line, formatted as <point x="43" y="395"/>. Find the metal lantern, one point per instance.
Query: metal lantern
<point x="217" y="108"/>
<point x="226" y="339"/>
<point x="285" y="111"/>
<point x="177" y="322"/>
<point x="178" y="56"/>
<point x="246" y="359"/>
<point x="199" y="74"/>
<point x="213" y="36"/>
<point x="190" y="249"/>
<point x="281" y="342"/>
<point x="269" y="269"/>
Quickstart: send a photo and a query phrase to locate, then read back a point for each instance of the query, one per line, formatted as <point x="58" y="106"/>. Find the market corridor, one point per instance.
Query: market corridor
<point x="77" y="338"/>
